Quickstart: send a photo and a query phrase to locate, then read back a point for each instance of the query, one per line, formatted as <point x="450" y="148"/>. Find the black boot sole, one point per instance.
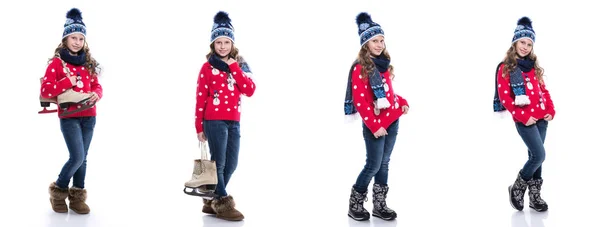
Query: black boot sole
<point x="358" y="219"/>
<point x="538" y="210"/>
<point x="387" y="219"/>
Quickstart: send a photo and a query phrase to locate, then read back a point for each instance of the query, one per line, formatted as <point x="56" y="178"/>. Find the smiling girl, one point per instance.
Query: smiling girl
<point x="73" y="72"/>
<point x="370" y="94"/>
<point x="522" y="92"/>
<point x="222" y="81"/>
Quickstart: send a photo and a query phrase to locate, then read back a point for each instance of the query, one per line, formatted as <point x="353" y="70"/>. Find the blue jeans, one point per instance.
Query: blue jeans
<point x="534" y="137"/>
<point x="224" y="144"/>
<point x="379" y="151"/>
<point x="78" y="134"/>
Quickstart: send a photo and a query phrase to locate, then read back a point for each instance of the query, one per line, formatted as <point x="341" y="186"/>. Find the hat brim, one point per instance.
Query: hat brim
<point x="532" y="41"/>
<point x="67" y="35"/>
<point x="222" y="36"/>
<point x="369" y="39"/>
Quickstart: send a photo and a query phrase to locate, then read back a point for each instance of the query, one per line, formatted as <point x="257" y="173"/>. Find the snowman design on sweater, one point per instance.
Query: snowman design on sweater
<point x="216" y="100"/>
<point x="230" y="82"/>
<point x="219" y="92"/>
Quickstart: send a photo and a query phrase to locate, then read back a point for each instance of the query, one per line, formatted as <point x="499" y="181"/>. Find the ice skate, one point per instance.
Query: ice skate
<point x="66" y="99"/>
<point x="204" y="191"/>
<point x="45" y="103"/>
<point x="204" y="177"/>
<point x="70" y="97"/>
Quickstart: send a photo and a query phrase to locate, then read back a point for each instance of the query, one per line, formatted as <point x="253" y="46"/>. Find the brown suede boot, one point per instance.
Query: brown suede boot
<point x="77" y="197"/>
<point x="207" y="208"/>
<point x="225" y="209"/>
<point x="57" y="198"/>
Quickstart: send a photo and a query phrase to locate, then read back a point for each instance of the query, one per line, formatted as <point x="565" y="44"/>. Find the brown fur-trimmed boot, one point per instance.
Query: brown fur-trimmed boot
<point x="207" y="208"/>
<point x="77" y="197"/>
<point x="225" y="209"/>
<point x="57" y="198"/>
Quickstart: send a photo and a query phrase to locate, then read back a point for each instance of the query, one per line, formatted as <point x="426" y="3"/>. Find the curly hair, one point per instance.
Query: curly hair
<point x="90" y="63"/>
<point x="510" y="63"/>
<point x="364" y="59"/>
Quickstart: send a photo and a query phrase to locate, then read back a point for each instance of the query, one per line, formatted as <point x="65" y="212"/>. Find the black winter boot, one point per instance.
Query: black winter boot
<point x="535" y="200"/>
<point x="356" y="210"/>
<point x="516" y="191"/>
<point x="380" y="208"/>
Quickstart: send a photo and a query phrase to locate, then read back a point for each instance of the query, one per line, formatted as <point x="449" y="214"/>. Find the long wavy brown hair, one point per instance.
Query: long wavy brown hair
<point x="364" y="59"/>
<point x="510" y="62"/>
<point x="90" y="62"/>
<point x="234" y="53"/>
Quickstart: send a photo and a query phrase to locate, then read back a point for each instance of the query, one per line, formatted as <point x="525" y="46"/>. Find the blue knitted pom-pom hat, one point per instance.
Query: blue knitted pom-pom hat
<point x="524" y="30"/>
<point x="367" y="29"/>
<point x="222" y="27"/>
<point x="74" y="23"/>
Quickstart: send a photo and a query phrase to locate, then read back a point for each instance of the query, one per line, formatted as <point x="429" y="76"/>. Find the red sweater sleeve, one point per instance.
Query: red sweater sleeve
<point x="243" y="82"/>
<point x="402" y="101"/>
<point x="96" y="87"/>
<point x="54" y="81"/>
<point x="504" y="93"/>
<point x="201" y="96"/>
<point x="362" y="101"/>
<point x="549" y="102"/>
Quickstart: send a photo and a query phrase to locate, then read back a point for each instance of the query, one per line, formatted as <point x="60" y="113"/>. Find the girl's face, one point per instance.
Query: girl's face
<point x="376" y="45"/>
<point x="524" y="47"/>
<point x="223" y="46"/>
<point x="75" y="42"/>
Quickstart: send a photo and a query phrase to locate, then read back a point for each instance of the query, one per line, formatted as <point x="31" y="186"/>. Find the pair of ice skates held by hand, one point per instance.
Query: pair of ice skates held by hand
<point x="66" y="99"/>
<point x="204" y="177"/>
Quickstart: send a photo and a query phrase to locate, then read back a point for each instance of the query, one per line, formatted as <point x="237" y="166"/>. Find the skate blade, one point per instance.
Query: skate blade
<point x="202" y="187"/>
<point x="196" y="192"/>
<point x="83" y="108"/>
<point x="45" y="111"/>
<point x="85" y="101"/>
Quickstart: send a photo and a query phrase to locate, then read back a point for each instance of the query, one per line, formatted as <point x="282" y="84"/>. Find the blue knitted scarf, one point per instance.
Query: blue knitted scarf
<point x="73" y="60"/>
<point x="376" y="82"/>
<point x="216" y="62"/>
<point x="516" y="83"/>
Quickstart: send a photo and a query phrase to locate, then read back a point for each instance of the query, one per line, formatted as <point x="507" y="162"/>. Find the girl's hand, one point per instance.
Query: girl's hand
<point x="230" y="61"/>
<point x="94" y="97"/>
<point x="405" y="109"/>
<point x="531" y="121"/>
<point x="381" y="132"/>
<point x="73" y="79"/>
<point x="202" y="137"/>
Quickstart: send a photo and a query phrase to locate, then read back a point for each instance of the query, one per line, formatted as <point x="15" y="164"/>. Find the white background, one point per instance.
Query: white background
<point x="453" y="159"/>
